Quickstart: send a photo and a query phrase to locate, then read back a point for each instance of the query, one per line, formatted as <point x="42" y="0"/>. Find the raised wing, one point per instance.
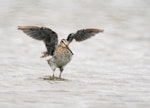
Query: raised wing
<point x="83" y="34"/>
<point x="49" y="37"/>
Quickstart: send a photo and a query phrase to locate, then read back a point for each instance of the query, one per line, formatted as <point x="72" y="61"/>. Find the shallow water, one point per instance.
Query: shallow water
<point x="110" y="70"/>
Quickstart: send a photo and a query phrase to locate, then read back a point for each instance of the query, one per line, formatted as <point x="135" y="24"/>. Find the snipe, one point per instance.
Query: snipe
<point x="61" y="53"/>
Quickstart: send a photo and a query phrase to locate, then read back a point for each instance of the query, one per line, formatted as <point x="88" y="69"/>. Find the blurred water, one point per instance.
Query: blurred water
<point x="111" y="70"/>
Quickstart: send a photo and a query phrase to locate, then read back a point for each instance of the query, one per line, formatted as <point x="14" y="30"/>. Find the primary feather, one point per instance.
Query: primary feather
<point x="49" y="37"/>
<point x="83" y="34"/>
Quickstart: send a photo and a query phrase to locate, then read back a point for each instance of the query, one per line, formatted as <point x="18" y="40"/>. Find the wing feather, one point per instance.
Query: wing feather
<point x="47" y="35"/>
<point x="83" y="34"/>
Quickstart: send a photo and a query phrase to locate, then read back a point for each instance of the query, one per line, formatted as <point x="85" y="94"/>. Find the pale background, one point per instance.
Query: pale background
<point x="110" y="70"/>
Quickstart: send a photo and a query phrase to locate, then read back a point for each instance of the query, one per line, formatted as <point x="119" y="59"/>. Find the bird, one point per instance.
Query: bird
<point x="60" y="53"/>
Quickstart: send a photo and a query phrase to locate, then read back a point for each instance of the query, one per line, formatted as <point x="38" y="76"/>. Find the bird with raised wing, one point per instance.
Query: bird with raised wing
<point x="61" y="53"/>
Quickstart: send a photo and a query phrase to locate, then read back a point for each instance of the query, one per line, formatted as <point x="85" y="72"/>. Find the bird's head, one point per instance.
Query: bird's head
<point x="64" y="43"/>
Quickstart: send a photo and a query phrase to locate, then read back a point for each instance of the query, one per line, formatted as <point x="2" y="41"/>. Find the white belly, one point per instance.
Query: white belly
<point x="62" y="60"/>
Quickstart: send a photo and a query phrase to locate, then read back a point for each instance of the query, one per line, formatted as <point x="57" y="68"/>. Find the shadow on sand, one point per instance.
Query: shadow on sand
<point x="51" y="78"/>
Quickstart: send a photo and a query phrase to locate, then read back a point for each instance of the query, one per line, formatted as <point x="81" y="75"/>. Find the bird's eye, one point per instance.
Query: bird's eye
<point x="63" y="41"/>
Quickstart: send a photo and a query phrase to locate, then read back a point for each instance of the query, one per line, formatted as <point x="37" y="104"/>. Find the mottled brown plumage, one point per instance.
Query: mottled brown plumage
<point x="61" y="53"/>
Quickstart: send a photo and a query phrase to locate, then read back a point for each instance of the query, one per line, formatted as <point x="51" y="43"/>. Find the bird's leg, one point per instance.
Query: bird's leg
<point x="53" y="73"/>
<point x="52" y="65"/>
<point x="61" y="70"/>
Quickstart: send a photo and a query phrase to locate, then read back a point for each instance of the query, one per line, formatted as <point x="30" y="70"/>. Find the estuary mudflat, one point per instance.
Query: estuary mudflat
<point x="110" y="70"/>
